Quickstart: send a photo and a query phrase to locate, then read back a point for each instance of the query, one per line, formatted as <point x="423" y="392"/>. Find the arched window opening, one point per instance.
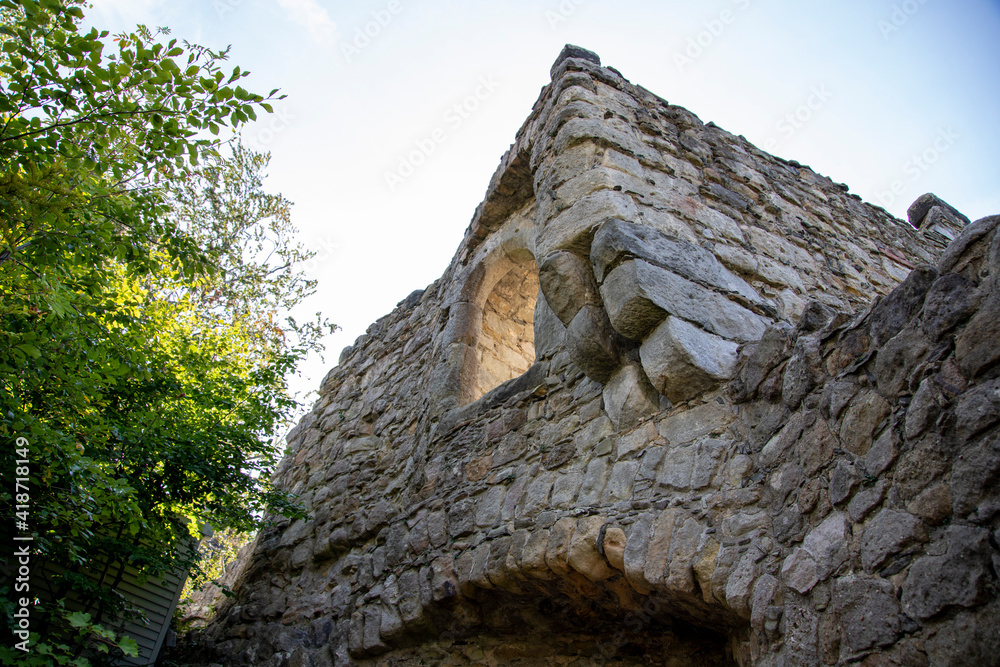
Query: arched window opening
<point x="506" y="345"/>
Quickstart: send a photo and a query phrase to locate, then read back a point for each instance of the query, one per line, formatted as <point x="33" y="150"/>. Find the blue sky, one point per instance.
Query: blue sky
<point x="386" y="171"/>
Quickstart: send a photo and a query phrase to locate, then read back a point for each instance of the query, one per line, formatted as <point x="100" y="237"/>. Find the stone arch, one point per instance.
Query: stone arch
<point x="505" y="348"/>
<point x="498" y="301"/>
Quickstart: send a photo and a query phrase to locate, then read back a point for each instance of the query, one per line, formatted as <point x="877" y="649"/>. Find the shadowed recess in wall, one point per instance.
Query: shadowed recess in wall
<point x="506" y="345"/>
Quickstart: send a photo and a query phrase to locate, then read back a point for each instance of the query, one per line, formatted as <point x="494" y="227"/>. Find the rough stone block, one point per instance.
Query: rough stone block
<point x="739" y="586"/>
<point x="827" y="544"/>
<point x="975" y="477"/>
<point x="889" y="533"/>
<point x="465" y="323"/>
<point x="798" y="571"/>
<point x="557" y="550"/>
<point x="865" y="414"/>
<point x="977" y="347"/>
<point x="629" y="397"/>
<point x="618" y="240"/>
<point x="868" y="611"/>
<point x="959" y="577"/>
<point x="896" y="310"/>
<point x="584" y="555"/>
<point x="639" y="295"/>
<point x="636" y="549"/>
<point x="549" y="332"/>
<point x="687" y="426"/>
<point x="620" y="483"/>
<point x="683" y="361"/>
<point x="677" y="467"/>
<point x="658" y="555"/>
<point x="592" y="344"/>
<point x="924" y="203"/>
<point x="574" y="228"/>
<point x="594" y="480"/>
<point x="613" y="547"/>
<point x="866" y="500"/>
<point x="568" y="284"/>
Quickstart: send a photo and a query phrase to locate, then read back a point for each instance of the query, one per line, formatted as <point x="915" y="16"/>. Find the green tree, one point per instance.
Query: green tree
<point x="144" y="279"/>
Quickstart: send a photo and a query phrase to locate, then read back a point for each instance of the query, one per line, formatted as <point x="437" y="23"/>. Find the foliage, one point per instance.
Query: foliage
<point x="216" y="571"/>
<point x="143" y="277"/>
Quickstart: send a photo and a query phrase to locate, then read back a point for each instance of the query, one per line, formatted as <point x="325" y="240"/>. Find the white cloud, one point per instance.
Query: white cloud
<point x="311" y="15"/>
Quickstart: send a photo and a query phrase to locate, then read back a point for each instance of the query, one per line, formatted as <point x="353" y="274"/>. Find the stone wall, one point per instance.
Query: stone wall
<point x="741" y="439"/>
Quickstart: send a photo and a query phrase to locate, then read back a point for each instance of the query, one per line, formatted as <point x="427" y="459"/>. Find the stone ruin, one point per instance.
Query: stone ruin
<point x="675" y="401"/>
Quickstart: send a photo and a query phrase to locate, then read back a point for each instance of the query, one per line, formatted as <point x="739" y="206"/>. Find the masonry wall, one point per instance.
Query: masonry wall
<point x="738" y="441"/>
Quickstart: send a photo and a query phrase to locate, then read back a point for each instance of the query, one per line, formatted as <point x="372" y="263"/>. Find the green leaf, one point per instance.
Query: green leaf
<point x="30" y="350"/>
<point x="129" y="647"/>
<point x="78" y="619"/>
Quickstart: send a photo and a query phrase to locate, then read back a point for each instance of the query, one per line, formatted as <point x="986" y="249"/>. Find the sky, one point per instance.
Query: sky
<point x="398" y="111"/>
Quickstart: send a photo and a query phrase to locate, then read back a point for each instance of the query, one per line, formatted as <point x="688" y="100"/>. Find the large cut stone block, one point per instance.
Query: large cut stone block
<point x="618" y="240"/>
<point x="925" y="203"/>
<point x="683" y="361"/>
<point x="639" y="295"/>
<point x="574" y="228"/>
<point x="592" y="346"/>
<point x="629" y="397"/>
<point x="567" y="282"/>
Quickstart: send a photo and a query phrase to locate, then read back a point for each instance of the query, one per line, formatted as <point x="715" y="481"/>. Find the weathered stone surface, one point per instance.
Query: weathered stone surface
<point x="592" y="343"/>
<point x="975" y="347"/>
<point x="799" y="571"/>
<point x="618" y="241"/>
<point x="959" y="577"/>
<point x="868" y="612"/>
<point x="683" y="361"/>
<point x="568" y="284"/>
<point x="629" y="397"/>
<point x="842" y="482"/>
<point x="865" y="501"/>
<point x="978" y="409"/>
<point x="924" y="203"/>
<point x="686" y="426"/>
<point x="950" y="300"/>
<point x="865" y="414"/>
<point x="827" y="544"/>
<point x="584" y="555"/>
<point x="774" y="347"/>
<point x="882" y="453"/>
<point x="975" y="478"/>
<point x="889" y="533"/>
<point x="613" y="546"/>
<point x="896" y="310"/>
<point x="638" y="295"/>
<point x="969" y="246"/>
<point x="574" y="228"/>
<point x="492" y="479"/>
<point x="803" y="372"/>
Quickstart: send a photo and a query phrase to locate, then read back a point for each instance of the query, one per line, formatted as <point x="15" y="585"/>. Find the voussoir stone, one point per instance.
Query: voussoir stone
<point x="629" y="397"/>
<point x="683" y="361"/>
<point x="639" y="295"/>
<point x="618" y="240"/>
